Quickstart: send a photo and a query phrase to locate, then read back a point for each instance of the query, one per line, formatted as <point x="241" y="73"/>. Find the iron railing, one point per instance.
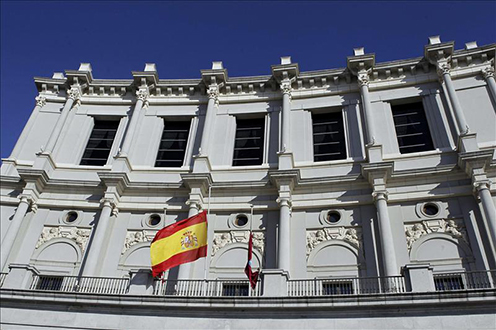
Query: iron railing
<point x="206" y="288"/>
<point x="100" y="285"/>
<point x="465" y="280"/>
<point x="2" y="278"/>
<point x="346" y="286"/>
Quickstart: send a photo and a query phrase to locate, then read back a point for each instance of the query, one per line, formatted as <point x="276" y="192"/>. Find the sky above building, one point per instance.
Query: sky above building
<point x="182" y="38"/>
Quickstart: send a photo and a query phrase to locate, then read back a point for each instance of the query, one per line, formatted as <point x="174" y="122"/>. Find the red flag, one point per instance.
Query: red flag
<point x="252" y="276"/>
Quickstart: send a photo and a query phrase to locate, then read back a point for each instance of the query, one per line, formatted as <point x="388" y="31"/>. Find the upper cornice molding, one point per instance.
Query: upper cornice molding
<point x="304" y="84"/>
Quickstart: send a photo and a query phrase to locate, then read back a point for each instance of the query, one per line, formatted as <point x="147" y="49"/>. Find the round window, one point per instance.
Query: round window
<point x="71" y="216"/>
<point x="241" y="220"/>
<point x="430" y="209"/>
<point x="333" y="216"/>
<point x="154" y="220"/>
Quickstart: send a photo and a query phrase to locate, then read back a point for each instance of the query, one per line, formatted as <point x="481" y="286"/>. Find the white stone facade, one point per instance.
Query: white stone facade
<point x="393" y="209"/>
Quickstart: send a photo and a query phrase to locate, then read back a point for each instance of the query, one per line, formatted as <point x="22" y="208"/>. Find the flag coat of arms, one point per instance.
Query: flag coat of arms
<point x="182" y="242"/>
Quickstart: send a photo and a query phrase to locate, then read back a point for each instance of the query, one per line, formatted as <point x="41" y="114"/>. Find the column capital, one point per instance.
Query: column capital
<point x="193" y="204"/>
<point x="74" y="94"/>
<point x="488" y="72"/>
<point x="40" y="101"/>
<point x="363" y="78"/>
<point x="285" y="87"/>
<point x="380" y="195"/>
<point x="482" y="185"/>
<point x="213" y="93"/>
<point x="142" y="94"/>
<point x="443" y="67"/>
<point x="284" y="201"/>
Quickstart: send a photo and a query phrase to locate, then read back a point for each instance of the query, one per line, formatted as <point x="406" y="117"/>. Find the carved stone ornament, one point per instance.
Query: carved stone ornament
<point x="351" y="235"/>
<point x="363" y="79"/>
<point x="79" y="235"/>
<point x="137" y="236"/>
<point x="40" y="101"/>
<point x="74" y="94"/>
<point x="226" y="238"/>
<point x="454" y="228"/>
<point x="142" y="95"/>
<point x="488" y="72"/>
<point x="286" y="88"/>
<point x="213" y="93"/>
<point x="443" y="67"/>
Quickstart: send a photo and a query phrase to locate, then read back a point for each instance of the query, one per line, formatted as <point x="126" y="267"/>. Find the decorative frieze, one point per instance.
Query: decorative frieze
<point x="351" y="235"/>
<point x="137" y="236"/>
<point x="225" y="238"/>
<point x="453" y="228"/>
<point x="40" y="101"/>
<point x="79" y="235"/>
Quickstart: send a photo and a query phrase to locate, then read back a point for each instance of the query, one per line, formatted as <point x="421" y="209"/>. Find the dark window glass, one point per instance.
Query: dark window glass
<point x="173" y="144"/>
<point x="328" y="137"/>
<point x="248" y="145"/>
<point x="337" y="288"/>
<point x="232" y="290"/>
<point x="448" y="283"/>
<point x="411" y="127"/>
<point x="51" y="283"/>
<point x="100" y="142"/>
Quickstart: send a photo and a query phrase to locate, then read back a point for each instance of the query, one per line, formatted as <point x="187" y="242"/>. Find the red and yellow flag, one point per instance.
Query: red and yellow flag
<point x="180" y="243"/>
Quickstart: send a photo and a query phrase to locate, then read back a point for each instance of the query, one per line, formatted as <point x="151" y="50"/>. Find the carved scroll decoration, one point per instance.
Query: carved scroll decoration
<point x="351" y="235"/>
<point x="454" y="228"/>
<point x="134" y="237"/>
<point x="79" y="235"/>
<point x="225" y="238"/>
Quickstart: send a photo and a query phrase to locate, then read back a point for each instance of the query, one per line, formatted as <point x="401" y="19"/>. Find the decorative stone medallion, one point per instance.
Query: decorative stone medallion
<point x="134" y="237"/>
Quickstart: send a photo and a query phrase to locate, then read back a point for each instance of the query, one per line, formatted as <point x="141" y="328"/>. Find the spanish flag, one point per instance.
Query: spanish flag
<point x="180" y="243"/>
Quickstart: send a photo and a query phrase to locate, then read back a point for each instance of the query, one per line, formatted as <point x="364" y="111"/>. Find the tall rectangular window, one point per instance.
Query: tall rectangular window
<point x="411" y="127"/>
<point x="249" y="142"/>
<point x="98" y="148"/>
<point x="173" y="144"/>
<point x="328" y="136"/>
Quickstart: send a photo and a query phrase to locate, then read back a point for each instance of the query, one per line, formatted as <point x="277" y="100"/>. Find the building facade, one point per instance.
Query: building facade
<point x="373" y="177"/>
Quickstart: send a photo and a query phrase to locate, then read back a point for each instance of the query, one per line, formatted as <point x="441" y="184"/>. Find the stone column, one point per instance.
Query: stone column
<point x="363" y="83"/>
<point x="488" y="74"/>
<point x="443" y="69"/>
<point x="185" y="269"/>
<point x="286" y="113"/>
<point x="213" y="103"/>
<point x="386" y="234"/>
<point x="40" y="103"/>
<point x="488" y="206"/>
<point x="284" y="256"/>
<point x="73" y="96"/>
<point x="142" y="101"/>
<point x="96" y="248"/>
<point x="13" y="230"/>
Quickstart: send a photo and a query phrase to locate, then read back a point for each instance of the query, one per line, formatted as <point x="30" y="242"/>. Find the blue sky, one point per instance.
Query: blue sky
<point x="117" y="37"/>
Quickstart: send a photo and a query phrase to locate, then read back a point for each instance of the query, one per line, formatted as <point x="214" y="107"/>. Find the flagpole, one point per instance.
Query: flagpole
<point x="207" y="266"/>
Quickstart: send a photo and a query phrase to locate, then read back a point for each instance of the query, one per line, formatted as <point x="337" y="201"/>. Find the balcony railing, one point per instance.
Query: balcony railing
<point x="100" y="285"/>
<point x="206" y="288"/>
<point x="465" y="280"/>
<point x="346" y="286"/>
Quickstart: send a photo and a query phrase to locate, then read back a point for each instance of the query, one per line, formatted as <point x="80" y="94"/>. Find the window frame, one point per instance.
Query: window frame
<point x="411" y="101"/>
<point x="346" y="142"/>
<point x="189" y="141"/>
<point x="115" y="143"/>
<point x="264" y="143"/>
